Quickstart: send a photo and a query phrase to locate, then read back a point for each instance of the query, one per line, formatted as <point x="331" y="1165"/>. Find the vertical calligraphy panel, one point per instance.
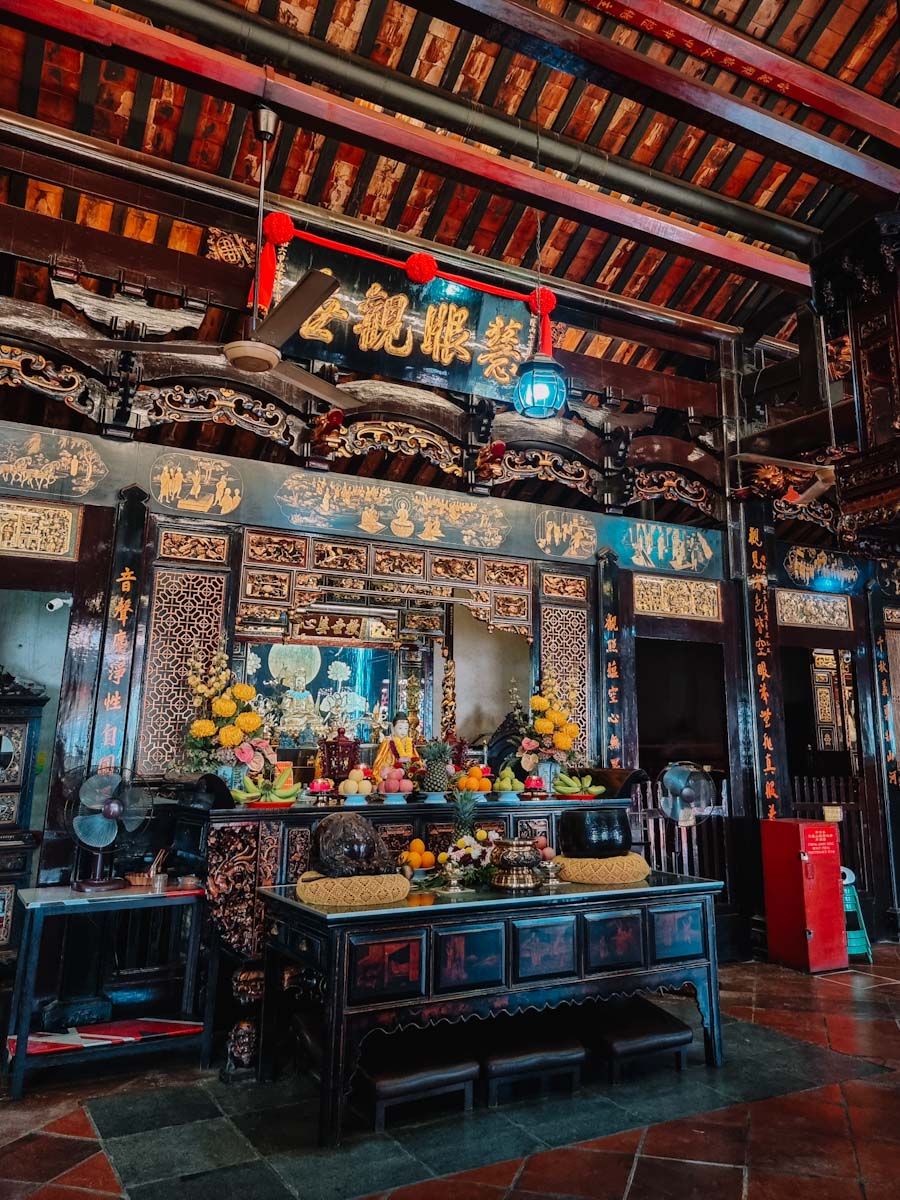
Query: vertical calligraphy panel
<point x="188" y="611"/>
<point x="113" y="696"/>
<point x="770" y="753"/>
<point x="565" y="655"/>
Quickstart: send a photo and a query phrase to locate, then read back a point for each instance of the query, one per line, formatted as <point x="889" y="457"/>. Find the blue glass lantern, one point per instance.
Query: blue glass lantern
<point x="541" y="388"/>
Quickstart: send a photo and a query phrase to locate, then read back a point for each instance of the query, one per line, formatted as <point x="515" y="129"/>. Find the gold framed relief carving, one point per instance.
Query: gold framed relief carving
<point x="275" y="549"/>
<point x="273" y="586"/>
<point x="337" y="556"/>
<point x="193" y="547"/>
<point x="565" y="587"/>
<point x="892" y="616"/>
<point x="455" y="567"/>
<point x="505" y="574"/>
<point x="410" y="563"/>
<point x="510" y="607"/>
<point x="12" y="757"/>
<point x="39" y="530"/>
<point x="812" y="609"/>
<point x="662" y="596"/>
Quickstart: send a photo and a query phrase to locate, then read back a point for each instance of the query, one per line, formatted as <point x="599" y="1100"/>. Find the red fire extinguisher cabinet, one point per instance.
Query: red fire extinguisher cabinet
<point x="805" y="920"/>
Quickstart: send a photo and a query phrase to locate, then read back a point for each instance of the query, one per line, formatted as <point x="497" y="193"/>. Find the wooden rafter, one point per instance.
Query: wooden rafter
<point x="561" y="44"/>
<point x="101" y="31"/>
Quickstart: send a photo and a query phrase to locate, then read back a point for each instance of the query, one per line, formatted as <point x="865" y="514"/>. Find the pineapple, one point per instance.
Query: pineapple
<point x="465" y="807"/>
<point x="436" y="756"/>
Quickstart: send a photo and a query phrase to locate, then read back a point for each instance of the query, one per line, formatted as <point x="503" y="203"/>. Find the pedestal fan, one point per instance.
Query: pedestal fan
<point x="107" y="803"/>
<point x="687" y="793"/>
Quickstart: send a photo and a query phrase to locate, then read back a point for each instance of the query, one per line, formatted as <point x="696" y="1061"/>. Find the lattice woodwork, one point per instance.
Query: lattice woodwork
<point x="188" y="611"/>
<point x="564" y="654"/>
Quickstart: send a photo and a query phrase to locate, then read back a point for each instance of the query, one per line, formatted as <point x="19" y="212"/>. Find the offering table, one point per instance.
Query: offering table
<point x="419" y="962"/>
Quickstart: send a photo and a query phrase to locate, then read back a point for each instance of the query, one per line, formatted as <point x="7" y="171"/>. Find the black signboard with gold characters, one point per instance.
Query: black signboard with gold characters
<point x="439" y="333"/>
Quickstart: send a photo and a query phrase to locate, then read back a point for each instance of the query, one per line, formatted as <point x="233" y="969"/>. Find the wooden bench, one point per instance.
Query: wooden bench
<point x="633" y="1029"/>
<point x="530" y="1050"/>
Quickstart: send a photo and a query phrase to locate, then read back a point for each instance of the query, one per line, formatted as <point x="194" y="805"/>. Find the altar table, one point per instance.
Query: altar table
<point x="433" y="958"/>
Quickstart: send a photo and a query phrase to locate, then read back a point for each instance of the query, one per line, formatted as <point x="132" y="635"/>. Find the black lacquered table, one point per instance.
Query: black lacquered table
<point x="422" y="961"/>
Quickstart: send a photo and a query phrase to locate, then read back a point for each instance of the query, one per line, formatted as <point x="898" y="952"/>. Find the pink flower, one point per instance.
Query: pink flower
<point x="255" y="764"/>
<point x="529" y="744"/>
<point x="244" y="752"/>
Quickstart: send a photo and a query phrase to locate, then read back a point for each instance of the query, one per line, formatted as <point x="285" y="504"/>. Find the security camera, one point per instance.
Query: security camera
<point x="58" y="602"/>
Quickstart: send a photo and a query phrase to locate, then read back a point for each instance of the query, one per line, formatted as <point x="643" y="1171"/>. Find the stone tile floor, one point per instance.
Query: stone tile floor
<point x="807" y="1107"/>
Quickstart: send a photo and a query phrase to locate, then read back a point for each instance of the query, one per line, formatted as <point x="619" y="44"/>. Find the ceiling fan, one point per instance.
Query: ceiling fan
<point x="261" y="352"/>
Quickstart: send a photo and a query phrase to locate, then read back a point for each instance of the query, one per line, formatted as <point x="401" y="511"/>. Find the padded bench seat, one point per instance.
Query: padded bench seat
<point x="636" y="1028"/>
<point x="435" y="1074"/>
<point x="531" y="1052"/>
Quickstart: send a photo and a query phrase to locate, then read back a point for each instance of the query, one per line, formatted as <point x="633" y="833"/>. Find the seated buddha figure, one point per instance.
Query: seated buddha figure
<point x="397" y="747"/>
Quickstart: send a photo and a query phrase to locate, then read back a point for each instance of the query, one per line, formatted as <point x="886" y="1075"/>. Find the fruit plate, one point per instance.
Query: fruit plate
<point x="575" y="796"/>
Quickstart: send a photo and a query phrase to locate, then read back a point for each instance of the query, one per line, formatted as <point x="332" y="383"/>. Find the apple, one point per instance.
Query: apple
<point x="541" y="842"/>
<point x="548" y="853"/>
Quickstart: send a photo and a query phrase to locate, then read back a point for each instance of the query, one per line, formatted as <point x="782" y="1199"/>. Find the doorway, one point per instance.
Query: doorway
<point x="34" y="629"/>
<point x="820" y="712"/>
<point x="680" y="704"/>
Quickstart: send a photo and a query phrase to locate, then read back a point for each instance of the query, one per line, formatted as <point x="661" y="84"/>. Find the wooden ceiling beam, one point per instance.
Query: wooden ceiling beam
<point x="655" y="388"/>
<point x="99" y="30"/>
<point x="42" y="239"/>
<point x="520" y="26"/>
<point x="703" y="37"/>
<point x="118" y="173"/>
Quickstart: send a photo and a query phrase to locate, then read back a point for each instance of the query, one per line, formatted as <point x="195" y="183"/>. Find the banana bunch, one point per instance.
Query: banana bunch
<point x="282" y="788"/>
<point x="571" y="785"/>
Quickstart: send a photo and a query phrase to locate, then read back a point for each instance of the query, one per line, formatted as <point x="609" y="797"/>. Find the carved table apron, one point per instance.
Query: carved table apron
<point x="407" y="964"/>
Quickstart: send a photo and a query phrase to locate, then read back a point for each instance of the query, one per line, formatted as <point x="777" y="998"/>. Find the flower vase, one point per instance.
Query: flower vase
<point x="232" y="776"/>
<point x="548" y="769"/>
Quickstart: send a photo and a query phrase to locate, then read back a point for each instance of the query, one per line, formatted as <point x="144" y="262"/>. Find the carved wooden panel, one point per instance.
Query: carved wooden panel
<point x="7" y="904"/>
<point x="505" y="574"/>
<point x="564" y="654"/>
<point x="276" y="549"/>
<point x="340" y="556"/>
<point x="297" y="854"/>
<point x="396" y="836"/>
<point x="30" y="530"/>
<point x="267" y="871"/>
<point x="812" y="609"/>
<point x="12" y="753"/>
<point x="455" y="567"/>
<point x="892" y="616"/>
<point x="663" y="596"/>
<point x="410" y="563"/>
<point x="274" y="587"/>
<point x="187" y="611"/>
<point x="9" y="807"/>
<point x="510" y="607"/>
<point x="565" y="587"/>
<point x="193" y="547"/>
<point x="532" y="827"/>
<point x="231" y="884"/>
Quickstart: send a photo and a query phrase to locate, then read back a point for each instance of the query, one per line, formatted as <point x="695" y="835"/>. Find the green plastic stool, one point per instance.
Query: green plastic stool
<point x="857" y="938"/>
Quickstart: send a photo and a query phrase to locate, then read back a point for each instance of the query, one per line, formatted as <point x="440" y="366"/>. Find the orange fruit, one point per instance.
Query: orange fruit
<point x="474" y="772"/>
<point x="427" y="859"/>
<point x="417" y="845"/>
<point x="484" y="785"/>
<point x="415" y="859"/>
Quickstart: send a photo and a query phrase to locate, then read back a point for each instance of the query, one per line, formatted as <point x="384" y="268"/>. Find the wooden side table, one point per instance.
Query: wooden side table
<point x="26" y="1051"/>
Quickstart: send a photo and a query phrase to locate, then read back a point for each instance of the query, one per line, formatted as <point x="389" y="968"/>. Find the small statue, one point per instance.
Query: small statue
<point x="346" y="844"/>
<point x="397" y="747"/>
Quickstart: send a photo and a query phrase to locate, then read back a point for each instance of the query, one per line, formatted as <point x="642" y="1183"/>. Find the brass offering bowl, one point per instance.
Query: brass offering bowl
<point x="516" y="860"/>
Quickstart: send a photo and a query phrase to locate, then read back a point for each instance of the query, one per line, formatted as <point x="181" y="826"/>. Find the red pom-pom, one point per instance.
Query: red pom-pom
<point x="498" y="449"/>
<point x="421" y="268"/>
<point x="278" y="228"/>
<point x="335" y="419"/>
<point x="541" y="300"/>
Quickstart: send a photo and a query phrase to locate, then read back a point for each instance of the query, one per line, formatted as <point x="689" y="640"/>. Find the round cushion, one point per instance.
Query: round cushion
<point x="624" y="868"/>
<point x="352" y="890"/>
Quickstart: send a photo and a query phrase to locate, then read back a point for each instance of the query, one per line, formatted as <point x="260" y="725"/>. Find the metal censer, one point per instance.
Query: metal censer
<point x="516" y="860"/>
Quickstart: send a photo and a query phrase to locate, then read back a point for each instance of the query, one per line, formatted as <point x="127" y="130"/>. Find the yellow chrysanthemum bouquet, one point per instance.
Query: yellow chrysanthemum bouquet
<point x="552" y="732"/>
<point x="224" y="719"/>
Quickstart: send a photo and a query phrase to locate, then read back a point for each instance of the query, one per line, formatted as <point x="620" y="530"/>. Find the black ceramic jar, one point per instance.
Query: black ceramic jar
<point x="593" y="832"/>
